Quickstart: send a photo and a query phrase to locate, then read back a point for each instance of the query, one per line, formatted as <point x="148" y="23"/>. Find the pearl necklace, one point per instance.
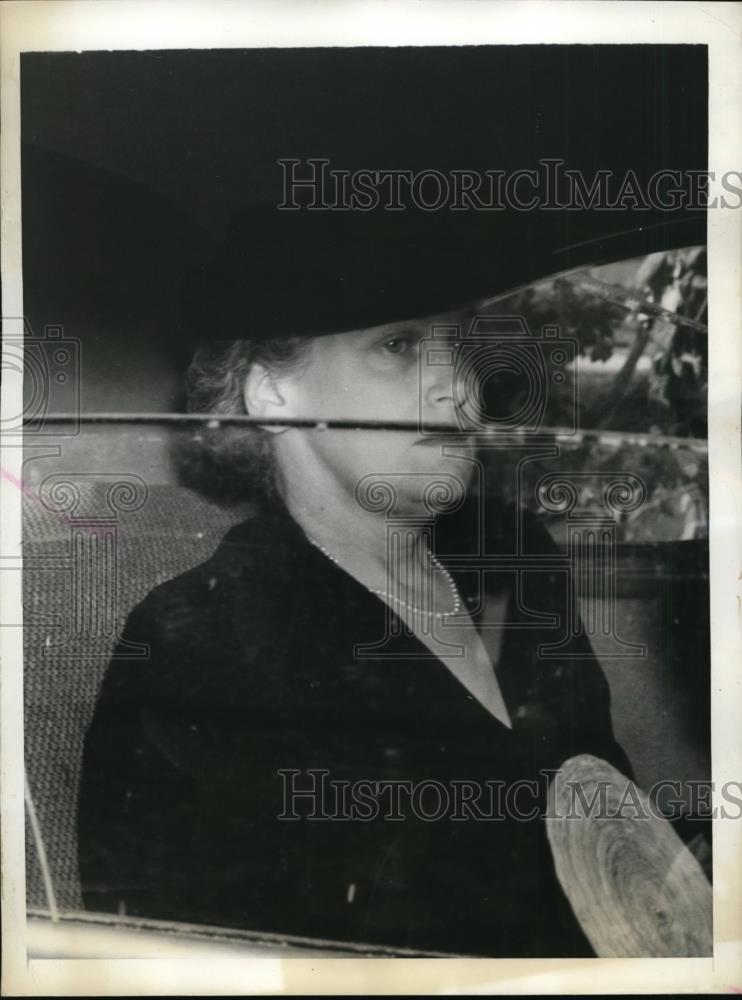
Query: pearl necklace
<point x="396" y="600"/>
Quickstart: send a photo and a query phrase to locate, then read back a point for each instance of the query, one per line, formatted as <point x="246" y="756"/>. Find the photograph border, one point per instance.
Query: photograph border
<point x="80" y="25"/>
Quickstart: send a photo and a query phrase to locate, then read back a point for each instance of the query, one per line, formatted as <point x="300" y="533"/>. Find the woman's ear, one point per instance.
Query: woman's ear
<point x="262" y="395"/>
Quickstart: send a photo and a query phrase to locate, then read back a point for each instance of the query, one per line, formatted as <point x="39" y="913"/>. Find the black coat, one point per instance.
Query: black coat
<point x="253" y="670"/>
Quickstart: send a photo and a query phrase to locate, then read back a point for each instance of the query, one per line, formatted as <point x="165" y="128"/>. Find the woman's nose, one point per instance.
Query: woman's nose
<point x="438" y="383"/>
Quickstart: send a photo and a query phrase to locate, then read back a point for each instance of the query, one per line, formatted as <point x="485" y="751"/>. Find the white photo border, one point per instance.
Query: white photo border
<point x="150" y="24"/>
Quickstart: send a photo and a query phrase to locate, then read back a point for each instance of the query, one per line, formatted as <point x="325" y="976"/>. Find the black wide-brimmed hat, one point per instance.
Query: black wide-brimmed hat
<point x="307" y="273"/>
<point x="207" y="130"/>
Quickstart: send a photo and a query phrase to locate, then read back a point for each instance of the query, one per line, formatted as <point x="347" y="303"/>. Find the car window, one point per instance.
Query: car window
<point x="591" y="415"/>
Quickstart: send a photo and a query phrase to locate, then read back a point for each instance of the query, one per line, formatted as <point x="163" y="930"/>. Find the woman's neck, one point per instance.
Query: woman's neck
<point x="358" y="539"/>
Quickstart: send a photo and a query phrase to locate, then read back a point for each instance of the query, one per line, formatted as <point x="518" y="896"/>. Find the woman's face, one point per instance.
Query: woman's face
<point x="380" y="373"/>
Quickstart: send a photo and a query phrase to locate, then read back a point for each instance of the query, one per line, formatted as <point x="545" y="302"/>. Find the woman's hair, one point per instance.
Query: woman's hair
<point x="231" y="462"/>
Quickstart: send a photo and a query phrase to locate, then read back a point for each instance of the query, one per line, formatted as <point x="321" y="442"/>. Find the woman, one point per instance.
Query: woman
<point x="342" y="643"/>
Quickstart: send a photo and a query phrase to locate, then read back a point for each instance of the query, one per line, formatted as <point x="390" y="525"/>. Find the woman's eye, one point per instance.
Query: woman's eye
<point x="397" y="345"/>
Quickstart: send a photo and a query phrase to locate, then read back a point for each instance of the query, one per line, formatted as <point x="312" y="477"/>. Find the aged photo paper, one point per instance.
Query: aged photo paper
<point x="371" y="510"/>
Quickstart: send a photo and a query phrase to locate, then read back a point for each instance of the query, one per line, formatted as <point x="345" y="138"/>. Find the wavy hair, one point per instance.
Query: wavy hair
<point x="232" y="463"/>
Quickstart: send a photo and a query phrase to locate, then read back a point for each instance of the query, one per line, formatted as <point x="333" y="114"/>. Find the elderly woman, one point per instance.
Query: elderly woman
<point x="344" y="729"/>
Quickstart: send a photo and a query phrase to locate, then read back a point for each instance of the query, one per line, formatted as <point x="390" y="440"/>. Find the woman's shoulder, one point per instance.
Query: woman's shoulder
<point x="200" y="634"/>
<point x="243" y="572"/>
